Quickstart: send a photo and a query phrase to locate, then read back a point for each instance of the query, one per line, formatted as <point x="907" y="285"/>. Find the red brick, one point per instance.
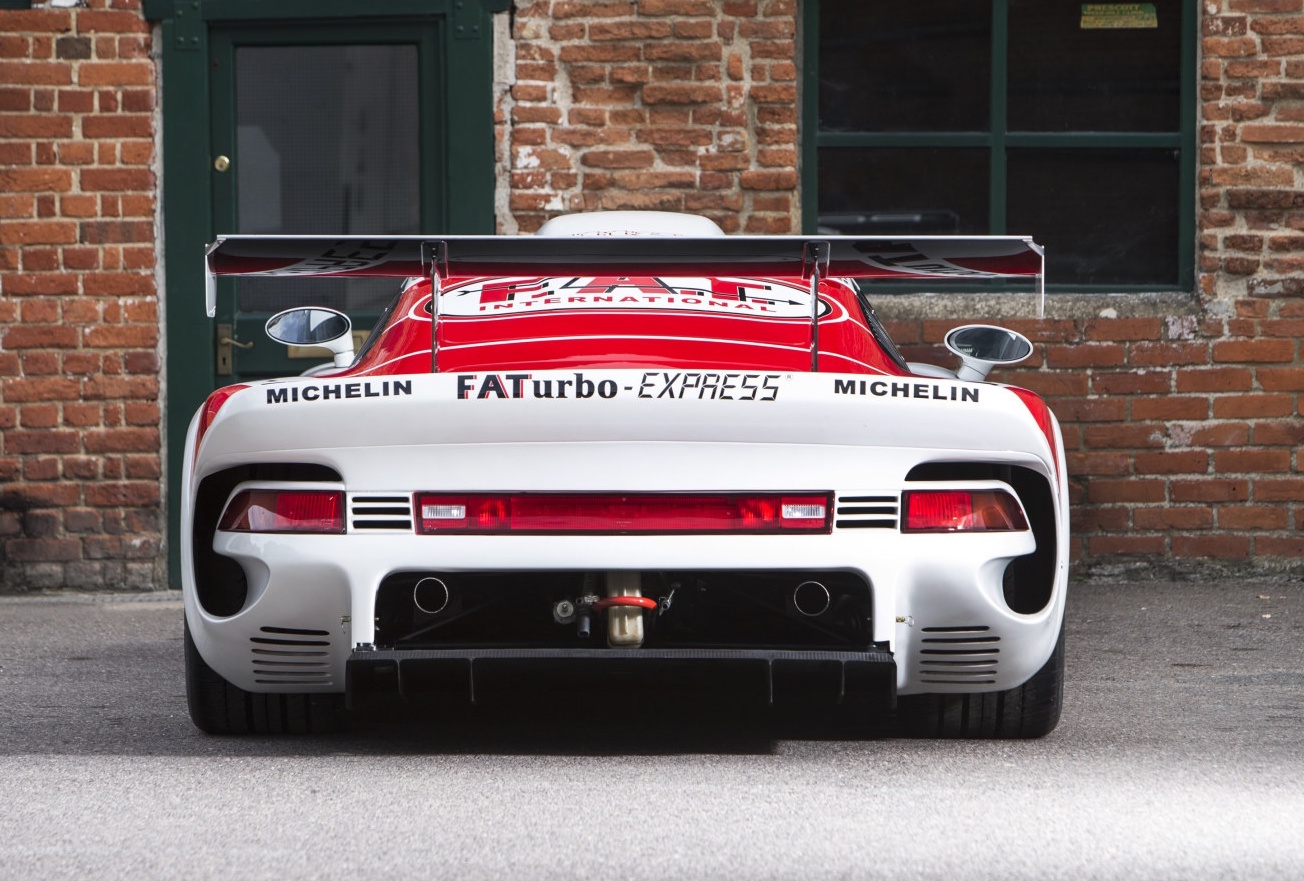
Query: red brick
<point x="107" y="388"/>
<point x="119" y="21"/>
<point x="1106" y="464"/>
<point x="1098" y="519"/>
<point x="1133" y="490"/>
<point x="1281" y="379"/>
<point x="1210" y="490"/>
<point x="1223" y="434"/>
<point x="1131" y="383"/>
<point x="116" y="179"/>
<point x="768" y="180"/>
<point x="682" y="51"/>
<point x="1252" y="406"/>
<point x="118" y="126"/>
<point x="1275" y="546"/>
<point x="40" y="73"/>
<point x="1126" y="545"/>
<point x="1123" y="436"/>
<point x="1287" y="432"/>
<point x="1221" y="546"/>
<point x="1215" y="379"/>
<point x="618" y="159"/>
<point x="1168" y="408"/>
<point x="1283" y="489"/>
<point x="1086" y="355"/>
<point x="676" y="7"/>
<point x="1089" y="409"/>
<point x="40" y="126"/>
<point x="42" y="550"/>
<point x="121" y="440"/>
<point x="1251" y="461"/>
<point x="1259" y="351"/>
<point x="108" y="495"/>
<point x="1167" y="518"/>
<point x="1174" y="462"/>
<point x="1121" y="329"/>
<point x="666" y="93"/>
<point x="1250" y="517"/>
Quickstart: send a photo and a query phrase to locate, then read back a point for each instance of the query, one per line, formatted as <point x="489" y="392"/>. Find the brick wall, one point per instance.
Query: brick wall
<point x="1182" y="415"/>
<point x="676" y="105"/>
<point x="1183" y="425"/>
<point x="80" y="458"/>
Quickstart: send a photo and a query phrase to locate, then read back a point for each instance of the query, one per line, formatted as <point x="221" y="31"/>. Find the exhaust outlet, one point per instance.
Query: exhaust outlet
<point x="811" y="599"/>
<point x="430" y="596"/>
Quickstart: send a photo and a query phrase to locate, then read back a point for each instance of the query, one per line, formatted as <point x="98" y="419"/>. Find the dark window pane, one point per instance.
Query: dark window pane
<point x="1104" y="216"/>
<point x="1066" y="77"/>
<point x="919" y="66"/>
<point x="903" y="190"/>
<point x="326" y="142"/>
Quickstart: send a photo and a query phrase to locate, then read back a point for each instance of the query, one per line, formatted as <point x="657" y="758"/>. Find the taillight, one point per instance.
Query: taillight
<point x="209" y="411"/>
<point x="935" y="510"/>
<point x="269" y="510"/>
<point x="493" y="513"/>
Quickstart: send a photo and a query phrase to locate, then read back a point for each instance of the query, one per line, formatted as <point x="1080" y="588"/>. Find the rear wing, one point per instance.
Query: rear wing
<point x="808" y="257"/>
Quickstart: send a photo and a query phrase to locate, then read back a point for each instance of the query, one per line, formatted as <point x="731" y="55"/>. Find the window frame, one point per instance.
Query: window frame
<point x="999" y="139"/>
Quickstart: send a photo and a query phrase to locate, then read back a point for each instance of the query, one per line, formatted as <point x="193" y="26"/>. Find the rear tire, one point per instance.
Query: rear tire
<point x="218" y="707"/>
<point x="1028" y="711"/>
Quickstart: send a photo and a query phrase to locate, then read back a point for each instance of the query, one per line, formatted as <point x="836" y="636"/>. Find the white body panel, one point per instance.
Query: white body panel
<point x="850" y="435"/>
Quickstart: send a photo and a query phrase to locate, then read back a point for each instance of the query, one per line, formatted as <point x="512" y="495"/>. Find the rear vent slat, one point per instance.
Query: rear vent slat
<point x="965" y="655"/>
<point x="866" y="512"/>
<point x="380" y="513"/>
<point x="293" y="656"/>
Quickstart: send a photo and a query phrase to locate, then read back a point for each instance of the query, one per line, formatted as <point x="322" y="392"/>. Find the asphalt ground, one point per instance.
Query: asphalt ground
<point x="1180" y="756"/>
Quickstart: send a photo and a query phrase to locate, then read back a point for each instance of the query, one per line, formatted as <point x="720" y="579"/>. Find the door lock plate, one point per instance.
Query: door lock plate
<point x="225" y="337"/>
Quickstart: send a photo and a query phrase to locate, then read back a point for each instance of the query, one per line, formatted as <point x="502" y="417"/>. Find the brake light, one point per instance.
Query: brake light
<point x="1044" y="418"/>
<point x="492" y="513"/>
<point x="209" y="411"/>
<point x="962" y="511"/>
<point x="265" y="510"/>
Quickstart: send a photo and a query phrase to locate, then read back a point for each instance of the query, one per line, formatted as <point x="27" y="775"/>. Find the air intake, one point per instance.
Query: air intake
<point x="959" y="656"/>
<point x="291" y="656"/>
<point x="369" y="513"/>
<point x="866" y="512"/>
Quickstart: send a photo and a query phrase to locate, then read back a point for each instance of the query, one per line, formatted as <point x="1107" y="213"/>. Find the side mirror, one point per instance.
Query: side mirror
<point x="981" y="347"/>
<point x="314" y="326"/>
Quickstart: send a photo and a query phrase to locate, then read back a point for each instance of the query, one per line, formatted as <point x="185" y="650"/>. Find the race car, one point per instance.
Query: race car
<point x="631" y="447"/>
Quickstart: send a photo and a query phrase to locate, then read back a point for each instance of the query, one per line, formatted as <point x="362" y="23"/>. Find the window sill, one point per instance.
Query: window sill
<point x="993" y="307"/>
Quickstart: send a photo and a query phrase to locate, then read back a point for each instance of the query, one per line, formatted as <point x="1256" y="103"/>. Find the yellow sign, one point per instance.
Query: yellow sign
<point x="1101" y="16"/>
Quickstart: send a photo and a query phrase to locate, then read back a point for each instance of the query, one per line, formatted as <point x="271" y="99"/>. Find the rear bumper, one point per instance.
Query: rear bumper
<point x="855" y="679"/>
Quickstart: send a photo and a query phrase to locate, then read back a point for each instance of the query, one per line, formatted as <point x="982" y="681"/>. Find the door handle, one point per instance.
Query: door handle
<point x="225" y="341"/>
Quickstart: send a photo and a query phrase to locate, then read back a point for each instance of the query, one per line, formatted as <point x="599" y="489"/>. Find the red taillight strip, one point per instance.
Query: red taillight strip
<point x="269" y="510"/>
<point x="946" y="510"/>
<point x="622" y="513"/>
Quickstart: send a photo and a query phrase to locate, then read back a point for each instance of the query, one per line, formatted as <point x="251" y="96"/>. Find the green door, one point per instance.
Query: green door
<point x="319" y="130"/>
<point x="307" y="116"/>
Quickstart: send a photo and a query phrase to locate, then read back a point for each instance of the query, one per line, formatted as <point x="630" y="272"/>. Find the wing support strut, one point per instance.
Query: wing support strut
<point x="814" y="265"/>
<point x="434" y="260"/>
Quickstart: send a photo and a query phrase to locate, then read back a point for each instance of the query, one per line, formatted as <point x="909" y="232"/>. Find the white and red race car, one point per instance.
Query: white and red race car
<point x="628" y="443"/>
